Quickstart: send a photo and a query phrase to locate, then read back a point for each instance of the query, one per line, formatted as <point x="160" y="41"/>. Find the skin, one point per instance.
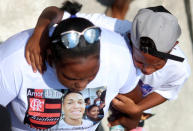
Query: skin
<point x="35" y="55"/>
<point x="76" y="73"/>
<point x="120" y="8"/>
<point x="99" y="93"/>
<point x="74" y="108"/>
<point x="147" y="63"/>
<point x="93" y="113"/>
<point x="98" y="96"/>
<point x="102" y="105"/>
<point x="88" y="102"/>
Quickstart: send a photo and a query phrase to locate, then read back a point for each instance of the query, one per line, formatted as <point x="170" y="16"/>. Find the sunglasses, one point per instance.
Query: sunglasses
<point x="70" y="39"/>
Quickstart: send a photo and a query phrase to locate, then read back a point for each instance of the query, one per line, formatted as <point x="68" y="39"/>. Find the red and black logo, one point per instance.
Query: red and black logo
<point x="44" y="108"/>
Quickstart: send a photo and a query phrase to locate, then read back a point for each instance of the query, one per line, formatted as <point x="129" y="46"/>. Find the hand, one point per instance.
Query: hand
<point x="126" y="122"/>
<point x="35" y="52"/>
<point x="125" y="105"/>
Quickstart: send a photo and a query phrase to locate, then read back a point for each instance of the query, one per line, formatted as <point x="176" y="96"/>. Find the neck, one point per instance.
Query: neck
<point x="73" y="122"/>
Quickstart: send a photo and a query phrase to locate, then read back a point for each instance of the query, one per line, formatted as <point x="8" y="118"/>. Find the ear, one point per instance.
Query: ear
<point x="177" y="42"/>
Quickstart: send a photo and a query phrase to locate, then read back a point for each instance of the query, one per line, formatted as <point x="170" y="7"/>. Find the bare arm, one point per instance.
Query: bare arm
<point x="50" y="16"/>
<point x="133" y="105"/>
<point x="150" y="101"/>
<point x="120" y="105"/>
<point x="38" y="42"/>
<point x="130" y="105"/>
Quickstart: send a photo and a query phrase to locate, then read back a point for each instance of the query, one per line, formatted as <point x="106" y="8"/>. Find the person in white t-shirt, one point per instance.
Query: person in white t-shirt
<point x="162" y="63"/>
<point x="92" y="113"/>
<point x="74" y="109"/>
<point x="78" y="58"/>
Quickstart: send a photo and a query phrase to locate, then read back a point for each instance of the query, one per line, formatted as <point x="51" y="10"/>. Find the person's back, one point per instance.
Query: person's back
<point x="12" y="62"/>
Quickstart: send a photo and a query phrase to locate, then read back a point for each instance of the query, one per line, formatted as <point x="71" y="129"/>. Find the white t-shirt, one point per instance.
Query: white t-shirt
<point x="101" y="20"/>
<point x="62" y="125"/>
<point x="35" y="100"/>
<point x="168" y="81"/>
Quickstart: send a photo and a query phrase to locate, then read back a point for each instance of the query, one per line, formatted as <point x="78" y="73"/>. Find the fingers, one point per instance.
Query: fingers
<point x="119" y="100"/>
<point x="34" y="58"/>
<point x="27" y="55"/>
<point x="114" y="123"/>
<point x="121" y="97"/>
<point x="39" y="66"/>
<point x="126" y="122"/>
<point x="124" y="99"/>
<point x="123" y="104"/>
<point x="116" y="102"/>
<point x="33" y="63"/>
<point x="118" y="105"/>
<point x="38" y="62"/>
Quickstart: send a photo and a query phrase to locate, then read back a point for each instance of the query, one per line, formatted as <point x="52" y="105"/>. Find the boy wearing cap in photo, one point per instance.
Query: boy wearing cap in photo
<point x="154" y="33"/>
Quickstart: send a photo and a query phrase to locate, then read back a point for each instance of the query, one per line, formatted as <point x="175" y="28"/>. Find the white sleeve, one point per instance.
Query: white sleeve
<point x="10" y="83"/>
<point x="11" y="66"/>
<point x="169" y="94"/>
<point x="132" y="81"/>
<point x="171" y="89"/>
<point x="101" y="20"/>
<point x="134" y="75"/>
<point x="170" y="79"/>
<point x="8" y="92"/>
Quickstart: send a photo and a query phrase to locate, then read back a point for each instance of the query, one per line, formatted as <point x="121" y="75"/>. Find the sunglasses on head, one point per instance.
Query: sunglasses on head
<point x="70" y="39"/>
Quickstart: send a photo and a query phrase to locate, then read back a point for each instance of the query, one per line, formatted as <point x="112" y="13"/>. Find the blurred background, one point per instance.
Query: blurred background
<point x="176" y="115"/>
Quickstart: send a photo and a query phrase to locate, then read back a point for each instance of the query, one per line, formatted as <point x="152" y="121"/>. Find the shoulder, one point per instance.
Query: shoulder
<point x="174" y="71"/>
<point x="117" y="54"/>
<point x="176" y="67"/>
<point x="14" y="44"/>
<point x="101" y="20"/>
<point x="113" y="39"/>
<point x="12" y="53"/>
<point x="114" y="44"/>
<point x="113" y="24"/>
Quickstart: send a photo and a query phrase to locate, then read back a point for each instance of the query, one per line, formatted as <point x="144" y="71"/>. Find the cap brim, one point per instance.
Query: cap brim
<point x="165" y="55"/>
